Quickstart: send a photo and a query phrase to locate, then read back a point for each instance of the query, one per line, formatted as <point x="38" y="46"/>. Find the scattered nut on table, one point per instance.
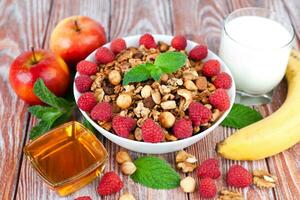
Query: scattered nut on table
<point x="225" y="194"/>
<point x="263" y="179"/>
<point x="126" y="196"/>
<point x="128" y="168"/>
<point x="122" y="156"/>
<point x="188" y="184"/>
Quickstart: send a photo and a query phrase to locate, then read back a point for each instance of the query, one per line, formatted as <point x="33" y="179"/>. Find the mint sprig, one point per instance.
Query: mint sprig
<point x="57" y="112"/>
<point x="155" y="173"/>
<point x="168" y="62"/>
<point x="241" y="116"/>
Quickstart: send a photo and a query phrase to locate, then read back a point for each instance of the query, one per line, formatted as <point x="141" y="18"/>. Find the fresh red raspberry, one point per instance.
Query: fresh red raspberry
<point x="117" y="45"/>
<point x="83" y="83"/>
<point x="209" y="169"/>
<point x="109" y="184"/>
<point x="220" y="99"/>
<point x="199" y="52"/>
<point x="104" y="55"/>
<point x="211" y="68"/>
<point x="199" y="114"/>
<point x="102" y="112"/>
<point x="238" y="176"/>
<point x="152" y="132"/>
<point x="207" y="188"/>
<point x="86" y="101"/>
<point x="179" y="42"/>
<point x="183" y="128"/>
<point x="123" y="125"/>
<point x="223" y="80"/>
<point x="148" y="41"/>
<point x="83" y="198"/>
<point x="86" y="67"/>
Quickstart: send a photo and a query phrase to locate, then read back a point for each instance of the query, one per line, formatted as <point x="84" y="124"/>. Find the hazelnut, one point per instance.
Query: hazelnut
<point x="146" y="91"/>
<point x="128" y="168"/>
<point x="124" y="101"/>
<point x="114" y="77"/>
<point x="126" y="196"/>
<point x="122" y="157"/>
<point x="188" y="184"/>
<point x="166" y="119"/>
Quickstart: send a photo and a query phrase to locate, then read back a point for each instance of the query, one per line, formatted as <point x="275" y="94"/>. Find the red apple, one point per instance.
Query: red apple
<point x="74" y="38"/>
<point x="31" y="65"/>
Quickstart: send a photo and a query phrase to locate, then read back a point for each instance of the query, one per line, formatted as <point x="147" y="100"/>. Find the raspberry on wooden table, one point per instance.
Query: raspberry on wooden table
<point x="209" y="169"/>
<point x="207" y="188"/>
<point x="110" y="183"/>
<point x="238" y="176"/>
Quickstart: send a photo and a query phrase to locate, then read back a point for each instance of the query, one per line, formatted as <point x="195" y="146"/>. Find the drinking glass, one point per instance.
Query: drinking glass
<point x="255" y="44"/>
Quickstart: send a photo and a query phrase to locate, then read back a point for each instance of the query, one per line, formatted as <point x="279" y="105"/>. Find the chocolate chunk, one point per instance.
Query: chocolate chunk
<point x="148" y="102"/>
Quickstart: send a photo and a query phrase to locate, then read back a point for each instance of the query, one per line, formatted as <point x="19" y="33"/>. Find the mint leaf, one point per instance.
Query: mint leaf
<point x="44" y="112"/>
<point x="39" y="129"/>
<point x="45" y="95"/>
<point x="155" y="173"/>
<point x="241" y="116"/>
<point x="156" y="73"/>
<point x="138" y="73"/>
<point x="170" y="62"/>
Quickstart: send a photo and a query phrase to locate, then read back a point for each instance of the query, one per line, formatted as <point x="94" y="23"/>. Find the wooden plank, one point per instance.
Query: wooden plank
<point x="21" y="25"/>
<point x="30" y="185"/>
<point x="285" y="164"/>
<point x="204" y="25"/>
<point x="130" y="18"/>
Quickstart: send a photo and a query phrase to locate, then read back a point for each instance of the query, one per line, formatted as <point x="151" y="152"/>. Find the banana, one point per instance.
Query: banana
<point x="275" y="133"/>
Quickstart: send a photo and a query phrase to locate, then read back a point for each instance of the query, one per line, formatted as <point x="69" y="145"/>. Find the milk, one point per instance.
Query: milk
<point x="256" y="50"/>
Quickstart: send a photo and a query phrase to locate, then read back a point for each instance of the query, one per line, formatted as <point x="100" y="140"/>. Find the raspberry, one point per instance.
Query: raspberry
<point x="238" y="176"/>
<point x="86" y="67"/>
<point x="148" y="41"/>
<point x="83" y="198"/>
<point x="83" y="83"/>
<point x="199" y="114"/>
<point x="102" y="112"/>
<point x="104" y="55"/>
<point x="209" y="169"/>
<point x="179" y="42"/>
<point x="152" y="132"/>
<point x="220" y="99"/>
<point x="109" y="184"/>
<point x="117" y="45"/>
<point x="211" y="68"/>
<point x="199" y="52"/>
<point x="86" y="101"/>
<point x="123" y="125"/>
<point x="223" y="80"/>
<point x="183" y="128"/>
<point x="207" y="188"/>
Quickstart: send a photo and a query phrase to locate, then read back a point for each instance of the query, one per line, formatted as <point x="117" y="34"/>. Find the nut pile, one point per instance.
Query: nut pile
<point x="165" y="102"/>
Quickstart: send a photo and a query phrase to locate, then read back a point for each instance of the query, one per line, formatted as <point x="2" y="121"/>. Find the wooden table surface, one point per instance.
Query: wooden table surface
<point x="24" y="23"/>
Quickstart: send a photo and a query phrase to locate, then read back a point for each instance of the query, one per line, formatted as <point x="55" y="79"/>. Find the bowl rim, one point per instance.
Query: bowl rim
<point x="160" y="37"/>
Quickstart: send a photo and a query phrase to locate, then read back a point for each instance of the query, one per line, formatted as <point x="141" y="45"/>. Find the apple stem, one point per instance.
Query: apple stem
<point x="76" y="26"/>
<point x="33" y="53"/>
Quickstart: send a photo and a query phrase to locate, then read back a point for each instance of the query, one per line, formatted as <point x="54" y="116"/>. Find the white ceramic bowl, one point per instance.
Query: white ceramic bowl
<point x="163" y="147"/>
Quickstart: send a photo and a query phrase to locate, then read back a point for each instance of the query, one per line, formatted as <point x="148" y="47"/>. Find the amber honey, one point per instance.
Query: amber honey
<point x="67" y="157"/>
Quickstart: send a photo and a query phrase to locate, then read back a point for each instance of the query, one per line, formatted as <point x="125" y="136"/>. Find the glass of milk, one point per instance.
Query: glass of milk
<point x="256" y="44"/>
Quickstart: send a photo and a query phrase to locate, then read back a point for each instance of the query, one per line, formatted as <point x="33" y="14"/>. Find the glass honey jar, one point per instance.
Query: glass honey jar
<point x="67" y="157"/>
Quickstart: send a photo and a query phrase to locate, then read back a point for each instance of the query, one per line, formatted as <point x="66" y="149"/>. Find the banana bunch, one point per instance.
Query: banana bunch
<point x="274" y="134"/>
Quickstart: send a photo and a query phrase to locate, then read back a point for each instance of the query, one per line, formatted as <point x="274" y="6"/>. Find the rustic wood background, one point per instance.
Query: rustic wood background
<point x="29" y="22"/>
